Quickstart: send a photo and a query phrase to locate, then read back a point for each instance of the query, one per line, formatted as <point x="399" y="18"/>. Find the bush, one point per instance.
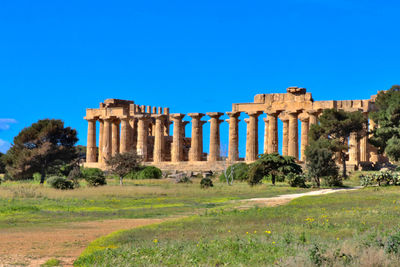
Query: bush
<point x="297" y="180"/>
<point x="206" y="183"/>
<point x="256" y="174"/>
<point x="380" y="178"/>
<point x="240" y="172"/>
<point x="332" y="180"/>
<point x="58" y="182"/>
<point x="149" y="172"/>
<point x="183" y="180"/>
<point x="36" y="177"/>
<point x="93" y="176"/>
<point x="392" y="244"/>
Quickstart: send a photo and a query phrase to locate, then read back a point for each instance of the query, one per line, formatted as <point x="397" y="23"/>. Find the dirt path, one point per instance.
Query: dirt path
<point x="34" y="246"/>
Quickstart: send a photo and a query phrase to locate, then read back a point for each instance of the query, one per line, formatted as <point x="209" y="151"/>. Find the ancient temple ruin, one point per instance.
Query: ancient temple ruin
<point x="126" y="126"/>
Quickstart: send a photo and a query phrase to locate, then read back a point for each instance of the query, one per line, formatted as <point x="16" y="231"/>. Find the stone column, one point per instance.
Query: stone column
<point x="252" y="136"/>
<point x="133" y="135"/>
<point x="107" y="140"/>
<point x="313" y="117"/>
<point x="233" y="150"/>
<point x="195" y="147"/>
<point x="101" y="134"/>
<point x="158" y="153"/>
<point x="265" y="135"/>
<point x="124" y="140"/>
<point x="273" y="146"/>
<point x="91" y="141"/>
<point x="214" y="153"/>
<point x="304" y="137"/>
<point x="354" y="149"/>
<point x="115" y="137"/>
<point x="293" y="147"/>
<point x="373" y="151"/>
<point x="364" y="155"/>
<point x="177" y="141"/>
<point x="201" y="139"/>
<point x="285" y="135"/>
<point x="142" y="134"/>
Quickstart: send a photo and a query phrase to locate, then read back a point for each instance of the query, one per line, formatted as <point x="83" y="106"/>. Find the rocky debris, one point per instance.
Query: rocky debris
<point x="296" y="90"/>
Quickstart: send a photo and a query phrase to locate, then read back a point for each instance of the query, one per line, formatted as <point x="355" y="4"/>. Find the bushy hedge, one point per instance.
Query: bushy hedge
<point x="148" y="172"/>
<point x="206" y="183"/>
<point x="59" y="182"/>
<point x="296" y="180"/>
<point x="380" y="178"/>
<point x="240" y="172"/>
<point x="93" y="176"/>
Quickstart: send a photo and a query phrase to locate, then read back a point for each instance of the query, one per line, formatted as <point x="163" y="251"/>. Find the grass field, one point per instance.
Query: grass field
<point x="25" y="204"/>
<point x="357" y="228"/>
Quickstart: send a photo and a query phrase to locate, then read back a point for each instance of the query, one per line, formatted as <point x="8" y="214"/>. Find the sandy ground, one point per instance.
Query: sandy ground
<point x="34" y="246"/>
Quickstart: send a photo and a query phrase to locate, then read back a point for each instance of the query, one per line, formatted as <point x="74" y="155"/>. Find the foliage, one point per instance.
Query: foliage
<point x="274" y="165"/>
<point x="2" y="163"/>
<point x="206" y="183"/>
<point x="240" y="172"/>
<point x="44" y="145"/>
<point x="149" y="172"/>
<point x="386" y="137"/>
<point x="320" y="161"/>
<point x="296" y="180"/>
<point x="392" y="244"/>
<point x="62" y="183"/>
<point x="93" y="176"/>
<point x="51" y="262"/>
<point x="336" y="126"/>
<point x="380" y="178"/>
<point x="183" y="180"/>
<point x="122" y="164"/>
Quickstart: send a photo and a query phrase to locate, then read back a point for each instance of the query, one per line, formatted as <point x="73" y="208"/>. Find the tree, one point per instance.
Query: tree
<point x="386" y="137"/>
<point x="336" y="127"/>
<point x="44" y="145"/>
<point x="274" y="165"/>
<point x="320" y="161"/>
<point x="2" y="165"/>
<point x="122" y="164"/>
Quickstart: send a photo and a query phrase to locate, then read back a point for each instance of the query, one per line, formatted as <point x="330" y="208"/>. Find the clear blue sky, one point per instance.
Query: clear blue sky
<point x="58" y="58"/>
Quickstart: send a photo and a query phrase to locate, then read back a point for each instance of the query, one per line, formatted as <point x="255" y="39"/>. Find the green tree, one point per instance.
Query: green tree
<point x="2" y="164"/>
<point x="336" y="127"/>
<point x="122" y="164"/>
<point x="274" y="165"/>
<point x="386" y="137"/>
<point x="40" y="147"/>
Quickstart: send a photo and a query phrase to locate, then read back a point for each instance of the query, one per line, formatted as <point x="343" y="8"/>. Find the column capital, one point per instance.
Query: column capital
<point x="273" y="113"/>
<point x="233" y="114"/>
<point x="283" y="116"/>
<point x="247" y="120"/>
<point x="177" y="116"/>
<point x="90" y="118"/>
<point x="142" y="116"/>
<point x="214" y="114"/>
<point x="159" y="116"/>
<point x="196" y="115"/>
<point x="184" y="123"/>
<point x="292" y="112"/>
<point x="254" y="113"/>
<point x="313" y="112"/>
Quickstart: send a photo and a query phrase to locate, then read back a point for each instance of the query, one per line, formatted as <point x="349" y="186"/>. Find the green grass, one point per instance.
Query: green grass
<point x="25" y="204"/>
<point x="341" y="229"/>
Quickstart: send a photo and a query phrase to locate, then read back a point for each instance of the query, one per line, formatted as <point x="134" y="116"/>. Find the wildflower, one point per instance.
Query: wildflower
<point x="155" y="241"/>
<point x="268" y="232"/>
<point x="337" y="238"/>
<point x="247" y="233"/>
<point x="255" y="232"/>
<point x="229" y="231"/>
<point x="273" y="243"/>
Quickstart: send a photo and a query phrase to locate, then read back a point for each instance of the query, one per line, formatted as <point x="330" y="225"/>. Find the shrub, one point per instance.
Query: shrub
<point x="51" y="262"/>
<point x="380" y="178"/>
<point x="149" y="172"/>
<point x="94" y="176"/>
<point x="392" y="244"/>
<point x="240" y="172"/>
<point x="296" y="180"/>
<point x="183" y="180"/>
<point x="256" y="174"/>
<point x="206" y="183"/>
<point x="36" y="177"/>
<point x="58" y="182"/>
<point x="332" y="180"/>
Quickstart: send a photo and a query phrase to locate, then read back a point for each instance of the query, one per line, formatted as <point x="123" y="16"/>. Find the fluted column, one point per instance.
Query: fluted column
<point x="293" y="148"/>
<point x="101" y="134"/>
<point x="265" y="135"/>
<point x="233" y="150"/>
<point x="133" y="135"/>
<point x="124" y="140"/>
<point x="201" y="139"/>
<point x="142" y="134"/>
<point x="177" y="141"/>
<point x="273" y="146"/>
<point x="364" y="155"/>
<point x="354" y="149"/>
<point x="304" y="137"/>
<point x="115" y="137"/>
<point x="373" y="151"/>
<point x="195" y="147"/>
<point x="107" y="140"/>
<point x="91" y="141"/>
<point x="214" y="153"/>
<point x="313" y="117"/>
<point x="285" y="135"/>
<point x="158" y="153"/>
<point x="252" y="136"/>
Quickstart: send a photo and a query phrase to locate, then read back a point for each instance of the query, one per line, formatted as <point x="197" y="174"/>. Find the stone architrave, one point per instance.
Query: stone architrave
<point x="252" y="136"/>
<point x="196" y="148"/>
<point x="91" y="141"/>
<point x="304" y="136"/>
<point x="273" y="145"/>
<point x="115" y="137"/>
<point x="158" y="153"/>
<point x="354" y="148"/>
<point x="214" y="153"/>
<point x="177" y="141"/>
<point x="265" y="135"/>
<point x="101" y="134"/>
<point x="293" y="147"/>
<point x="285" y="133"/>
<point x="107" y="140"/>
<point x="233" y="149"/>
<point x="142" y="134"/>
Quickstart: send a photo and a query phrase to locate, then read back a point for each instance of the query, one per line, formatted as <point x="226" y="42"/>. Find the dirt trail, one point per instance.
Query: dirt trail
<point x="34" y="246"/>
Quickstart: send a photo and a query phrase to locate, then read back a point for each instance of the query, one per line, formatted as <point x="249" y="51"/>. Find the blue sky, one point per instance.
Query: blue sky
<point x="58" y="58"/>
